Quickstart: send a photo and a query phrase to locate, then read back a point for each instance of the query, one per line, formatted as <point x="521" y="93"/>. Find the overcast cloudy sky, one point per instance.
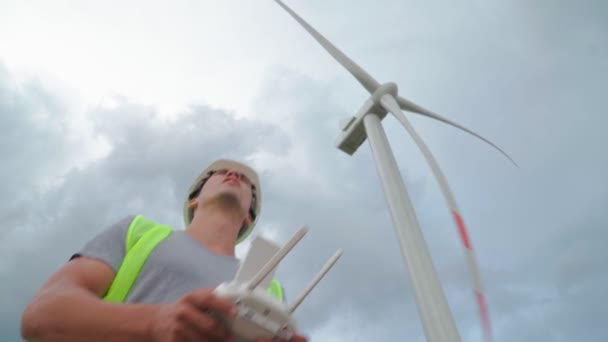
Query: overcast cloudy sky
<point x="111" y="108"/>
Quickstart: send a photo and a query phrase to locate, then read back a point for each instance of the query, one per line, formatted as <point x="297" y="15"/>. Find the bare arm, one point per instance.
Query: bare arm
<point x="69" y="308"/>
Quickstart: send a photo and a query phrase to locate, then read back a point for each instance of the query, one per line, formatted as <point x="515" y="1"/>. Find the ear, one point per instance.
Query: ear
<point x="193" y="203"/>
<point x="247" y="219"/>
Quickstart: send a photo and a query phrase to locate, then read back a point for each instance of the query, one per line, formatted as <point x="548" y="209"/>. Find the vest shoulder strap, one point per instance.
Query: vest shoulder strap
<point x="276" y="290"/>
<point x="142" y="237"/>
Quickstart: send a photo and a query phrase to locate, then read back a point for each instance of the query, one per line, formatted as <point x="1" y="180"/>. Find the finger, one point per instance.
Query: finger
<point x="205" y="300"/>
<point x="298" y="338"/>
<point x="189" y="335"/>
<point x="207" y="325"/>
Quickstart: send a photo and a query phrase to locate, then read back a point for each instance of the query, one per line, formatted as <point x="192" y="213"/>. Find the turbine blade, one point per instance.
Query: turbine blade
<point x="412" y="107"/>
<point x="367" y="81"/>
<point x="390" y="104"/>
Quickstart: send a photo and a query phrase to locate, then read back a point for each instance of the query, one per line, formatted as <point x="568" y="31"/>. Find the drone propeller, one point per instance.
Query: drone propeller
<point x="394" y="105"/>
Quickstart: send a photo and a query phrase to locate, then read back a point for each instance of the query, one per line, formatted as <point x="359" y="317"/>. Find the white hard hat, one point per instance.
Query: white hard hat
<point x="256" y="204"/>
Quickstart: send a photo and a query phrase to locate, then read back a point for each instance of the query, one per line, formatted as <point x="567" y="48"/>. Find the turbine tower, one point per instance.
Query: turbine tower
<point x="434" y="311"/>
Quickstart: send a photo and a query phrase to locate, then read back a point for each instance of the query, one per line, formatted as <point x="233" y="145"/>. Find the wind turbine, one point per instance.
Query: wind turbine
<point x="435" y="314"/>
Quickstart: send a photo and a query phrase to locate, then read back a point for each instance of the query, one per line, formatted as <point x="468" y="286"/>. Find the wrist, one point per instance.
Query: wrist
<point x="148" y="322"/>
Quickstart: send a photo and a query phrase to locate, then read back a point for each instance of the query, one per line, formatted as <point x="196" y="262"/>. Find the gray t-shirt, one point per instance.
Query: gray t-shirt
<point x="178" y="265"/>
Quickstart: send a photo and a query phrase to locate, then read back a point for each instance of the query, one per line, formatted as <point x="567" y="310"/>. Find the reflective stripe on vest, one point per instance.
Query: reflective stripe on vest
<point x="276" y="289"/>
<point x="143" y="235"/>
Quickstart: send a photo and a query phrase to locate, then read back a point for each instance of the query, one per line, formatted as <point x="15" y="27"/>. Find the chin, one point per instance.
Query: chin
<point x="228" y="198"/>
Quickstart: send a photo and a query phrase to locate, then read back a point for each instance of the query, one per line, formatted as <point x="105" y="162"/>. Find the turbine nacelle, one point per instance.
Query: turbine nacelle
<point x="353" y="132"/>
<point x="389" y="88"/>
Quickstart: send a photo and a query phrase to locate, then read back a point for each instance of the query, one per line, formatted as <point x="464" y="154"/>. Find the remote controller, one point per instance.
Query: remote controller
<point x="260" y="314"/>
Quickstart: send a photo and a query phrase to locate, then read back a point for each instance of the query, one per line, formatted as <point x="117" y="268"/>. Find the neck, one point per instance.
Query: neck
<point x="216" y="228"/>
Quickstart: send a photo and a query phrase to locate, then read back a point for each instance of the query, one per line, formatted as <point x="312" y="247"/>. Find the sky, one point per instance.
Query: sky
<point x="112" y="108"/>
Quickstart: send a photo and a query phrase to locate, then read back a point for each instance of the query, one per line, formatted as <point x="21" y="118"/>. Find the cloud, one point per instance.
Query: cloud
<point x="143" y="162"/>
<point x="534" y="87"/>
<point x="146" y="165"/>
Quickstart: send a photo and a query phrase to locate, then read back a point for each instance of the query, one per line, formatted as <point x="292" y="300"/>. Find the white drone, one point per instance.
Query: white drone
<point x="261" y="315"/>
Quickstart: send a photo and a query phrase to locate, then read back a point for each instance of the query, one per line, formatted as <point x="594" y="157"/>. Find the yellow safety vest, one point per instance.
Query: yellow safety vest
<point x="143" y="235"/>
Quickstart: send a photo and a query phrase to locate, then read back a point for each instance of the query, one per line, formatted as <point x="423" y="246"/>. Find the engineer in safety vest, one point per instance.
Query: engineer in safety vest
<point x="139" y="280"/>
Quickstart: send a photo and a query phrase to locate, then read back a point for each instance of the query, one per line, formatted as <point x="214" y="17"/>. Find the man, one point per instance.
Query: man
<point x="172" y="296"/>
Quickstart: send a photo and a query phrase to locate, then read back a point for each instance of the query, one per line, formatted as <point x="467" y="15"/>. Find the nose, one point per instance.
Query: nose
<point x="233" y="174"/>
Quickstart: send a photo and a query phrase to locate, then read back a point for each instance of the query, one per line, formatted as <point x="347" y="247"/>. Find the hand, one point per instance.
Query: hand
<point x="189" y="319"/>
<point x="294" y="338"/>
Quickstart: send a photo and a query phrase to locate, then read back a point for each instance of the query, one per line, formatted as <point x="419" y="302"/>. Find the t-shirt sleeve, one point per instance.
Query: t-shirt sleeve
<point x="109" y="245"/>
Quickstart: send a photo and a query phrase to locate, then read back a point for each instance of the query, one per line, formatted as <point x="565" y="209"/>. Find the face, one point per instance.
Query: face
<point x="228" y="182"/>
